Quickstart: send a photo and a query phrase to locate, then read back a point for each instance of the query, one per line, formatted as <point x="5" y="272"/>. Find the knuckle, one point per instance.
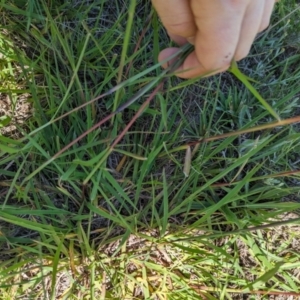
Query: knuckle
<point x="185" y="29"/>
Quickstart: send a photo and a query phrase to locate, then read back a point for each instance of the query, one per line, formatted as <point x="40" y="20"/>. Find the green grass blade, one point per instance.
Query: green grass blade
<point x="235" y="71"/>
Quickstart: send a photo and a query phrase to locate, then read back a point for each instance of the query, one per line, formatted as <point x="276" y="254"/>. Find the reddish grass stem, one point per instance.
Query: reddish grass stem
<point x="139" y="112"/>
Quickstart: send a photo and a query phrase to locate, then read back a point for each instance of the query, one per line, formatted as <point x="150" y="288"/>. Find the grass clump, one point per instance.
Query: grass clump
<point x="14" y="105"/>
<point x="197" y="199"/>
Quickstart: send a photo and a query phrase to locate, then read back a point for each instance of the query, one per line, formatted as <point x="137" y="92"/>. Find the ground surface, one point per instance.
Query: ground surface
<point x="143" y="218"/>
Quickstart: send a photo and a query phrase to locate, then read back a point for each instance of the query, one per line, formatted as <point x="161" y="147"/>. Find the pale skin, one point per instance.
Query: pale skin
<point x="221" y="31"/>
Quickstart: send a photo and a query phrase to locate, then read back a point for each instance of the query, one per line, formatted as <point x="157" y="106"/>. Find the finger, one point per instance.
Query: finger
<point x="176" y="16"/>
<point x="250" y="28"/>
<point x="179" y="40"/>
<point x="268" y="9"/>
<point x="216" y="38"/>
<point x="166" y="53"/>
<point x="191" y="67"/>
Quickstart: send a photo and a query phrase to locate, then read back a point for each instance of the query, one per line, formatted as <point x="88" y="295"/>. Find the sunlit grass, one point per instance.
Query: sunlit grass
<point x="188" y="189"/>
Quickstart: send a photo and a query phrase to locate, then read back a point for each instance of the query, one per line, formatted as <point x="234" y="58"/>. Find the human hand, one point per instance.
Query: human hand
<point x="221" y="30"/>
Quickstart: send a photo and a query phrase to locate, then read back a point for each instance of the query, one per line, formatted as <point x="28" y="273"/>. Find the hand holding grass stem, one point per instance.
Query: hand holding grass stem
<point x="185" y="50"/>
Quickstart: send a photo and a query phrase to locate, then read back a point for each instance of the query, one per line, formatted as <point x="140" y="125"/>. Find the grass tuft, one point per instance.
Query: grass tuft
<point x="125" y="182"/>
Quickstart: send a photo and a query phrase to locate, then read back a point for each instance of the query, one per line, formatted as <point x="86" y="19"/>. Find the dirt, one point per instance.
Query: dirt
<point x="18" y="109"/>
